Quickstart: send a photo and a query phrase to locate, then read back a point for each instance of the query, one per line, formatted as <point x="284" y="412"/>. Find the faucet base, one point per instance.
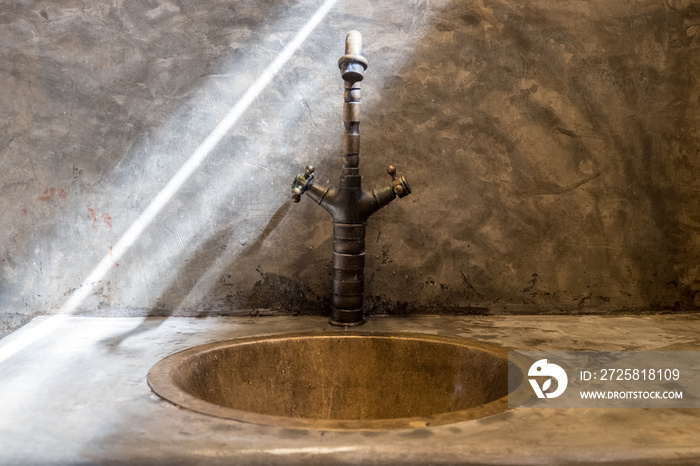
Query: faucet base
<point x="345" y="324"/>
<point x="345" y="318"/>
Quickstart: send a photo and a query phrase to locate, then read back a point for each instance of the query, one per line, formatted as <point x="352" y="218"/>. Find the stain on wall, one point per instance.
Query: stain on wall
<point x="552" y="148"/>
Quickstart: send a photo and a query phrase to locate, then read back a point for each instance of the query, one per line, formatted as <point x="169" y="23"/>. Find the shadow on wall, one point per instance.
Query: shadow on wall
<point x="172" y="301"/>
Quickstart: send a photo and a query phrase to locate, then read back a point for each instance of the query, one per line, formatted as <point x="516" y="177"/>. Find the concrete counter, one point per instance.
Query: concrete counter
<point x="79" y="396"/>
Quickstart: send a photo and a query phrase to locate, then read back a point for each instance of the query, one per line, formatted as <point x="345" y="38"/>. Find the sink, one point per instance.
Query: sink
<point x="338" y="381"/>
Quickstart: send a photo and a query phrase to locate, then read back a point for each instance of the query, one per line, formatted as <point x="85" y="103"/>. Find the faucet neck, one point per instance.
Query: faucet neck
<point x="350" y="177"/>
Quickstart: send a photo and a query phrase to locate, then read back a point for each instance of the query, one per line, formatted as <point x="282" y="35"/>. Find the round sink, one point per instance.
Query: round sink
<point x="338" y="381"/>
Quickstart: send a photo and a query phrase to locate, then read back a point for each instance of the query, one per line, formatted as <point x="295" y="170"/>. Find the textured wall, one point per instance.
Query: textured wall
<point x="552" y="146"/>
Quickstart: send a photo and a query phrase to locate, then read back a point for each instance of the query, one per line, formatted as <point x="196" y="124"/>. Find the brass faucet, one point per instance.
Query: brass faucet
<point x="349" y="205"/>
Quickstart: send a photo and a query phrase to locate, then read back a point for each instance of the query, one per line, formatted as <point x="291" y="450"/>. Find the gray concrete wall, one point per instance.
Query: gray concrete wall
<point x="553" y="148"/>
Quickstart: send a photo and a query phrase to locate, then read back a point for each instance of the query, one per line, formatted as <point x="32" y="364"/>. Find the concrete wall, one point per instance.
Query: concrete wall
<point x="553" y="148"/>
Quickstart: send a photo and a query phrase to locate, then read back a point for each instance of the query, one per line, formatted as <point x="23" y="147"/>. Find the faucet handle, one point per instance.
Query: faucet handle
<point x="301" y="183"/>
<point x="398" y="185"/>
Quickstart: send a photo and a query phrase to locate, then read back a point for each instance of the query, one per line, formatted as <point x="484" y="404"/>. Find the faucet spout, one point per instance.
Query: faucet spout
<point x="353" y="65"/>
<point x="349" y="205"/>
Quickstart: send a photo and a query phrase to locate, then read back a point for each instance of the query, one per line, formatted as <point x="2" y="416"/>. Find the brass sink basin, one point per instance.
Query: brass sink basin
<point x="338" y="381"/>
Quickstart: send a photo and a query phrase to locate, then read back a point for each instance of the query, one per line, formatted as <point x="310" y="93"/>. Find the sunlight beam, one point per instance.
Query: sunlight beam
<point x="134" y="231"/>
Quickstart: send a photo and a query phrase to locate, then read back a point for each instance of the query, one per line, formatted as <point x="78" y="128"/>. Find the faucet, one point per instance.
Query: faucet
<point x="349" y="205"/>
